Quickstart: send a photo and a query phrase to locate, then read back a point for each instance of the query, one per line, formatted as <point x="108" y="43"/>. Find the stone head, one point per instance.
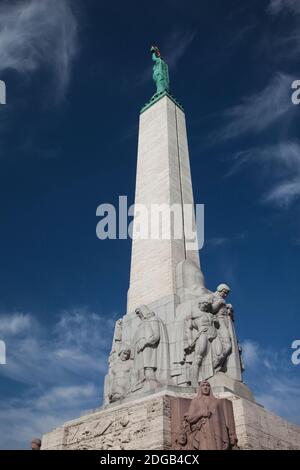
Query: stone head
<point x="223" y="290"/>
<point x="205" y="305"/>
<point x="181" y="437"/>
<point x="143" y="312"/>
<point x="36" y="444"/>
<point x="204" y="388"/>
<point x="124" y="354"/>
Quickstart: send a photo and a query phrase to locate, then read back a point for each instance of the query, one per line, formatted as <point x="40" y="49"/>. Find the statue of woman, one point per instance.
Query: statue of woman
<point x="207" y="421"/>
<point x="160" y="71"/>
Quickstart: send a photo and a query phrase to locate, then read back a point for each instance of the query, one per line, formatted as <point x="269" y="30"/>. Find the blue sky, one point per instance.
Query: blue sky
<point x="77" y="74"/>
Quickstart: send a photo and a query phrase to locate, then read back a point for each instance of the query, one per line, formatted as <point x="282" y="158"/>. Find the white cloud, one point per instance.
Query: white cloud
<point x="274" y="380"/>
<point x="15" y="324"/>
<point x="36" y="33"/>
<point x="250" y="353"/>
<point x="176" y="46"/>
<point x="281" y="164"/>
<point x="286" y="45"/>
<point x="284" y="194"/>
<point x="260" y="110"/>
<point x="221" y="241"/>
<point x="24" y="418"/>
<point x="57" y="370"/>
<point x="277" y="6"/>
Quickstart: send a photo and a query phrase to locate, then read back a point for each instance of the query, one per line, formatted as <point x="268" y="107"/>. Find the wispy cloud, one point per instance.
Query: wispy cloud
<point x="273" y="378"/>
<point x="15" y="324"/>
<point x="286" y="45"/>
<point x="176" y="46"/>
<point x="35" y="34"/>
<point x="277" y="6"/>
<point x="23" y="418"/>
<point x="58" y="371"/>
<point x="257" y="112"/>
<point x="279" y="163"/>
<point x="221" y="241"/>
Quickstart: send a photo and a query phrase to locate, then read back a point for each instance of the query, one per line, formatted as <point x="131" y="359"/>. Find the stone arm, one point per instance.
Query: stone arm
<point x="230" y="311"/>
<point x="217" y="305"/>
<point x="188" y="336"/>
<point x="193" y="415"/>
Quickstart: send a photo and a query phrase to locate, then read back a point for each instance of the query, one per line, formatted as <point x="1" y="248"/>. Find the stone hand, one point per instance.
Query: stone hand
<point x="141" y="346"/>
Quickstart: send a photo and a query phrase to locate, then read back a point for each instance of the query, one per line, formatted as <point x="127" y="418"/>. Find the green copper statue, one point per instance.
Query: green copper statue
<point x="161" y="79"/>
<point x="160" y="71"/>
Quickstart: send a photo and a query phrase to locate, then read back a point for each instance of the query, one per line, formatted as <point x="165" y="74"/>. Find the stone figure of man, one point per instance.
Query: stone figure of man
<point x="202" y="322"/>
<point x="120" y="375"/>
<point x="144" y="347"/>
<point x="223" y="313"/>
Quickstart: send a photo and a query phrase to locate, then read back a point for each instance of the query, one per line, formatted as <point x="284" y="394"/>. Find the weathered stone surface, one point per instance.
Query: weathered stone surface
<point x="145" y="423"/>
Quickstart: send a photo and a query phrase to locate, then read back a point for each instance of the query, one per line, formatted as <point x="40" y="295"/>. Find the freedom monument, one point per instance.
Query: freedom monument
<point x="175" y="369"/>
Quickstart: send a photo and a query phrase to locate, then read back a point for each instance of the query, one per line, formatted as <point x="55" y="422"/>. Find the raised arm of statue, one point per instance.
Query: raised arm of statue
<point x="155" y="52"/>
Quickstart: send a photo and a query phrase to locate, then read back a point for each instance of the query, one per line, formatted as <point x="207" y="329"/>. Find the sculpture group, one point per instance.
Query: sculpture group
<point x="198" y="343"/>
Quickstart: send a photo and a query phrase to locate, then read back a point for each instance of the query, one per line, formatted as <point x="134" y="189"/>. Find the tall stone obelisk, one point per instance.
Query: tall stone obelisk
<point x="163" y="179"/>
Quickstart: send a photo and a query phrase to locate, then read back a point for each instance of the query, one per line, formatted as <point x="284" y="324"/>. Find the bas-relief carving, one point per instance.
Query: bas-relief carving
<point x="105" y="434"/>
<point x="208" y="423"/>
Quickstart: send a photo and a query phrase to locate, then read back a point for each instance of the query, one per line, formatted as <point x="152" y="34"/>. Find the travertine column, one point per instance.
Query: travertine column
<point x="163" y="177"/>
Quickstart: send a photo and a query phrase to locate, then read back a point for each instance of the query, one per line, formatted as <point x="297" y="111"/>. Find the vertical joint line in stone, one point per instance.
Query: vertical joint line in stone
<point x="180" y="182"/>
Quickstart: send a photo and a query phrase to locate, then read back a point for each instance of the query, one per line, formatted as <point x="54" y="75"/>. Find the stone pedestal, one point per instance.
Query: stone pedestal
<point x="145" y="424"/>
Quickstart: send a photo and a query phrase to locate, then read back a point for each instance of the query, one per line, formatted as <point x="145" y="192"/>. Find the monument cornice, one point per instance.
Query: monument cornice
<point x="158" y="96"/>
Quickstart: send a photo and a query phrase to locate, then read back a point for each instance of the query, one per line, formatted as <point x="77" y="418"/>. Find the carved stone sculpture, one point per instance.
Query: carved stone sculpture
<point x="209" y="345"/>
<point x="229" y="361"/>
<point x="149" y="349"/>
<point x="36" y="444"/>
<point x="181" y="439"/>
<point x="207" y="425"/>
<point x="201" y="321"/>
<point x="120" y="375"/>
